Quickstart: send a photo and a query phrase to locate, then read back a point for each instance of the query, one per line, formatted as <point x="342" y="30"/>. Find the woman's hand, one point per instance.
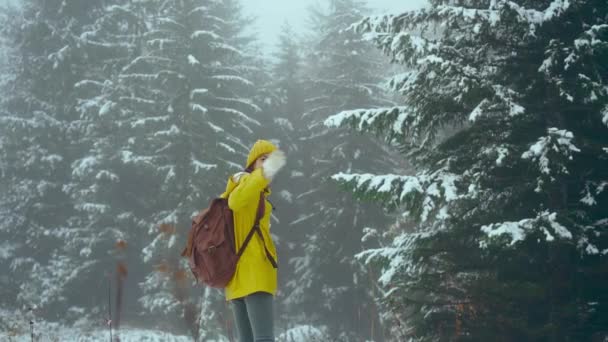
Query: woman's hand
<point x="272" y="164"/>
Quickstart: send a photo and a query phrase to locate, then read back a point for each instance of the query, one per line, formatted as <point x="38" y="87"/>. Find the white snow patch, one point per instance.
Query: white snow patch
<point x="303" y="333"/>
<point x="173" y="130"/>
<point x="232" y="78"/>
<point x="215" y="128"/>
<point x="199" y="108"/>
<point x="54" y="332"/>
<point x="82" y="166"/>
<point x="295" y="174"/>
<point x="205" y="33"/>
<point x="588" y="199"/>
<point x="286" y="195"/>
<point x="369" y="233"/>
<point x="85" y="252"/>
<point x="365" y="118"/>
<point x="478" y="111"/>
<point x="227" y="147"/>
<point x="517" y="230"/>
<point x="198" y="165"/>
<point x="6" y="250"/>
<point x="192" y="60"/>
<point x="198" y="91"/>
<point x="302" y="218"/>
<point x="283" y="122"/>
<point x="106" y="108"/>
<point x="502" y="153"/>
<point x="557" y="141"/>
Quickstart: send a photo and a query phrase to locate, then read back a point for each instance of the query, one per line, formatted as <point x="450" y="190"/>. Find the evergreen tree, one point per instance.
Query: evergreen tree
<point x="505" y="236"/>
<point x="329" y="290"/>
<point x="8" y="292"/>
<point x="110" y="189"/>
<point x="37" y="115"/>
<point x="130" y="95"/>
<point x="178" y="114"/>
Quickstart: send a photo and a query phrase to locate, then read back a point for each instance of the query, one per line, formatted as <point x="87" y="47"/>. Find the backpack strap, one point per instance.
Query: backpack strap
<point x="256" y="228"/>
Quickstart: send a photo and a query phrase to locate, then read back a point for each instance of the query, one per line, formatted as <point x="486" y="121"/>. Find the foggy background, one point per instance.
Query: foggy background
<point x="271" y="14"/>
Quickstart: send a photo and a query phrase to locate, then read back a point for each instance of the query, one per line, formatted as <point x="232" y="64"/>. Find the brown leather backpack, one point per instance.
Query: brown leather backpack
<point x="210" y="248"/>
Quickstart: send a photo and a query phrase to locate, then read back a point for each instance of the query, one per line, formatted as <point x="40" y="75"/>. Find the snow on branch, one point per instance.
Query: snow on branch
<point x="215" y="128"/>
<point x="560" y="61"/>
<point x="551" y="153"/>
<point x="171" y="132"/>
<point x="395" y="258"/>
<point x="93" y="208"/>
<point x="233" y="78"/>
<point x="237" y="113"/>
<point x="170" y="21"/>
<point x="198" y="91"/>
<point x="192" y="60"/>
<point x="504" y="100"/>
<point x="225" y="47"/>
<point x="144" y="121"/>
<point x="40" y="119"/>
<point x="84" y="166"/>
<point x="584" y="45"/>
<point x="508" y="96"/>
<point x="434" y="191"/>
<point x="90" y="83"/>
<point x="137" y="100"/>
<point x="129" y="157"/>
<point x="138" y="77"/>
<point x="382" y="26"/>
<point x="199" y="165"/>
<point x="161" y="42"/>
<point x="198" y="108"/>
<point x="6" y="250"/>
<point x="516" y="231"/>
<point x="240" y="101"/>
<point x="199" y="9"/>
<point x="406" y="47"/>
<point x="205" y="34"/>
<point x="123" y="10"/>
<point x="377" y="119"/>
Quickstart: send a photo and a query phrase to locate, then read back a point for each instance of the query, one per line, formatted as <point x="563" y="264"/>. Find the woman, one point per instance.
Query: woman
<point x="254" y="284"/>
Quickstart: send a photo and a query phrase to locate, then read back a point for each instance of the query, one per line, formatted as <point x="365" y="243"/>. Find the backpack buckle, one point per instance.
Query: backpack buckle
<point x="211" y="249"/>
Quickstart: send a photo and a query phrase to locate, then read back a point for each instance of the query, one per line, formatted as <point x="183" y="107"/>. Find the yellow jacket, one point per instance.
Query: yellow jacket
<point x="254" y="272"/>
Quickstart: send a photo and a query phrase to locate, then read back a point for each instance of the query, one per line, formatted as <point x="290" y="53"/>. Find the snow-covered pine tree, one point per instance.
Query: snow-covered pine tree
<point x="187" y="122"/>
<point x="36" y="154"/>
<point x="329" y="290"/>
<point x="8" y="292"/>
<point x="509" y="238"/>
<point x="106" y="185"/>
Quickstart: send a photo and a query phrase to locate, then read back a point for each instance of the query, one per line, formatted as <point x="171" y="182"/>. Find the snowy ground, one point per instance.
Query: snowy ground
<point x="77" y="335"/>
<point x="61" y="334"/>
<point x="14" y="327"/>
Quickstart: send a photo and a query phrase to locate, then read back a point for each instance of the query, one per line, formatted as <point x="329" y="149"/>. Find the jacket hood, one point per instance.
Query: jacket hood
<point x="259" y="148"/>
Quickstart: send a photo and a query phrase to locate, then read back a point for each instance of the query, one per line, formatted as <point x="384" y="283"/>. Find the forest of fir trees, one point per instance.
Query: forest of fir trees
<point x="447" y="172"/>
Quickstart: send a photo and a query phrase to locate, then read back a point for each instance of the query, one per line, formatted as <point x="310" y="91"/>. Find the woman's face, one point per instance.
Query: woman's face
<point x="258" y="163"/>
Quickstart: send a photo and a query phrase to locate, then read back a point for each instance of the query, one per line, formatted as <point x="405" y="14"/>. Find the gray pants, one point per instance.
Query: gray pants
<point x="254" y="317"/>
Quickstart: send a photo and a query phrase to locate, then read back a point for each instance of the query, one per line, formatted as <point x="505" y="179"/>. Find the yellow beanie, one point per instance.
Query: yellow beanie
<point x="259" y="148"/>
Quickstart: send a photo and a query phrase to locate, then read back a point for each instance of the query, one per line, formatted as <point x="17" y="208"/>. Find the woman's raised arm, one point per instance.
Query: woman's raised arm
<point x="248" y="190"/>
